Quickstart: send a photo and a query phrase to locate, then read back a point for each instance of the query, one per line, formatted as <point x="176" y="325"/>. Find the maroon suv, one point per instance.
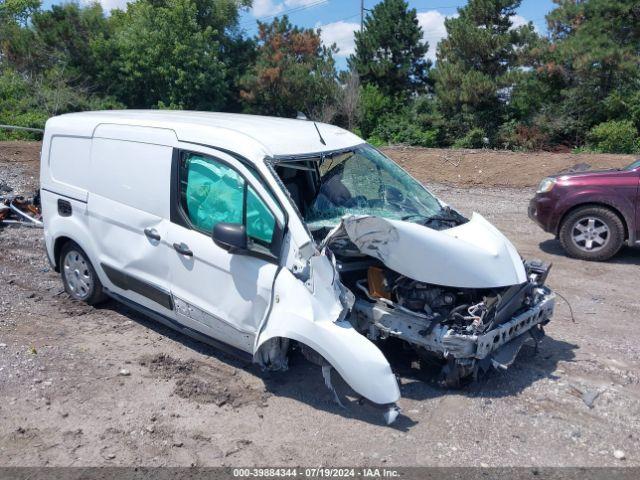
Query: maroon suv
<point x="592" y="213"/>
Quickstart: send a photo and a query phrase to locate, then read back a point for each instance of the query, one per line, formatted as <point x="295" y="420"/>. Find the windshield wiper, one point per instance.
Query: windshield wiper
<point x="447" y="217"/>
<point x="414" y="215"/>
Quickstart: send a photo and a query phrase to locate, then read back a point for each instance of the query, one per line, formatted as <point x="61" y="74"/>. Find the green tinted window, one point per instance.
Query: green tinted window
<point x="211" y="192"/>
<point x="260" y="221"/>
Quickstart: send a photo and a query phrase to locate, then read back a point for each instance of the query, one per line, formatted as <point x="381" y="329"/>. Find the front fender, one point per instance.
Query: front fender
<point x="296" y="316"/>
<point x="594" y="195"/>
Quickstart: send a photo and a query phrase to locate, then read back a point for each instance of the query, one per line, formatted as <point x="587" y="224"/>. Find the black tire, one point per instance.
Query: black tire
<point x="569" y="232"/>
<point x="454" y="376"/>
<point x="78" y="275"/>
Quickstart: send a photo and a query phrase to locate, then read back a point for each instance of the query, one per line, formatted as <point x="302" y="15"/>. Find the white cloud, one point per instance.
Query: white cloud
<point x="262" y="8"/>
<point x="340" y="33"/>
<point x="108" y="5"/>
<point x="302" y="3"/>
<point x="432" y="23"/>
<point x="519" y="20"/>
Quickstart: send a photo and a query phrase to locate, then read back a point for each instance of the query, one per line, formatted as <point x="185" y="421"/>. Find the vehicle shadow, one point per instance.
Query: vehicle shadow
<point x="626" y="256"/>
<point x="303" y="381"/>
<point x="529" y="367"/>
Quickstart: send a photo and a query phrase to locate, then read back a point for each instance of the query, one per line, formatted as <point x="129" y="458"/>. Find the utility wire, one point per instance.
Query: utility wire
<point x="287" y="12"/>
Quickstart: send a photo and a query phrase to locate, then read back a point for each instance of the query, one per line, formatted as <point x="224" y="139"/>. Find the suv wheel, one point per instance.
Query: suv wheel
<point x="78" y="275"/>
<point x="592" y="233"/>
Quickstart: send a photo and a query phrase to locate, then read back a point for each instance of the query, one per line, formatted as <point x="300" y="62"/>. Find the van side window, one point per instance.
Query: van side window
<point x="260" y="221"/>
<point x="210" y="192"/>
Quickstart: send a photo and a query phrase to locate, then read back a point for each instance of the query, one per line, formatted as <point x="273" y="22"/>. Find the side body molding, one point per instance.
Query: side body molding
<point x="300" y="315"/>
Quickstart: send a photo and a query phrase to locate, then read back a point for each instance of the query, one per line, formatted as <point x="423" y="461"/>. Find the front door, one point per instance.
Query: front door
<point x="221" y="294"/>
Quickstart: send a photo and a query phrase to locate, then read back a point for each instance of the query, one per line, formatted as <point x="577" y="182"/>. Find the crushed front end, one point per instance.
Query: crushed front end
<point x="466" y="330"/>
<point x="453" y="289"/>
<point x="458" y="295"/>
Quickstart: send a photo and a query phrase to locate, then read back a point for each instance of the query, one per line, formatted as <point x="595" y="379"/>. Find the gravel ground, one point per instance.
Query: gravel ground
<point x="104" y="386"/>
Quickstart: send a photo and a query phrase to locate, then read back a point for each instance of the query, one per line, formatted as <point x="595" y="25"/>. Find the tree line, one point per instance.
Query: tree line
<point x="493" y="84"/>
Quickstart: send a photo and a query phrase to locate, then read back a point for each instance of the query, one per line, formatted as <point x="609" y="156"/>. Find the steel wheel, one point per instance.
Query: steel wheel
<point x="78" y="275"/>
<point x="590" y="234"/>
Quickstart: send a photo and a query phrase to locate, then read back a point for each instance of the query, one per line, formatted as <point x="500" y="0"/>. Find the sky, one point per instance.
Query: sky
<point x="339" y="18"/>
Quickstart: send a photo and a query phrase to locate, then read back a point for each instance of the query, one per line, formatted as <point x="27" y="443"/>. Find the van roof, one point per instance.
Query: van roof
<point x="250" y="135"/>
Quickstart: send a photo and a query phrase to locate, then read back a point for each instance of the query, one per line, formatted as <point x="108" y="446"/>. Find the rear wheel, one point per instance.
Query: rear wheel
<point x="78" y="275"/>
<point x="592" y="233"/>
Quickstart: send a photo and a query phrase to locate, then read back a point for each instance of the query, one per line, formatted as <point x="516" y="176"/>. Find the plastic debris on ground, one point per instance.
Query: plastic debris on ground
<point x="18" y="210"/>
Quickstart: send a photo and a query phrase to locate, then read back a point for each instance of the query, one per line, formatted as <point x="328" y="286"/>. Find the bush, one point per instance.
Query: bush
<point x="373" y="105"/>
<point x="475" y="138"/>
<point x="377" y="141"/>
<point x="27" y="102"/>
<point x="395" y="129"/>
<point x="614" y="137"/>
<point x="517" y="136"/>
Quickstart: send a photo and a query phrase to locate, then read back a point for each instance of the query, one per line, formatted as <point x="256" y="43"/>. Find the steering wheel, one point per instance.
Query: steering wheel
<point x="359" y="201"/>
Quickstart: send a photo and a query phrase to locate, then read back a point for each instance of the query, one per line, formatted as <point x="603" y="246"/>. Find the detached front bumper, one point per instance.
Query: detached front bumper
<point x="446" y="343"/>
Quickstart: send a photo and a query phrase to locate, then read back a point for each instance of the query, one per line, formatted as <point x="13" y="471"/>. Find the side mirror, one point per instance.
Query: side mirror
<point x="230" y="236"/>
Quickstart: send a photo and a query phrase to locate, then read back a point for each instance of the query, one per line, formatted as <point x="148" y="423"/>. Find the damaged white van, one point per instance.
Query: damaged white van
<point x="269" y="234"/>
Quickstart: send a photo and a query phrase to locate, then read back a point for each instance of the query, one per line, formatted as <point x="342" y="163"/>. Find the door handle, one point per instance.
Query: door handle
<point x="152" y="233"/>
<point x="183" y="249"/>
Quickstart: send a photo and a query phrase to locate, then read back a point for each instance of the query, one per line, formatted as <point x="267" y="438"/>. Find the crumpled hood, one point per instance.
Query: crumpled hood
<point x="472" y="255"/>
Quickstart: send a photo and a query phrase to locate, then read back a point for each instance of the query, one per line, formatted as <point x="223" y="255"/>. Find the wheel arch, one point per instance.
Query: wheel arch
<point x="607" y="206"/>
<point x="58" y="244"/>
<point x="358" y="361"/>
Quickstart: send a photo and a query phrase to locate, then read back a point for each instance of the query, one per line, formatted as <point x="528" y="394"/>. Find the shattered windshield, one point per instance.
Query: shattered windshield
<point x="363" y="181"/>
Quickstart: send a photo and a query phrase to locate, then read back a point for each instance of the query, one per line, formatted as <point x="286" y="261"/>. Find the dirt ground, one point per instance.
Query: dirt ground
<point x="483" y="168"/>
<point x="86" y="386"/>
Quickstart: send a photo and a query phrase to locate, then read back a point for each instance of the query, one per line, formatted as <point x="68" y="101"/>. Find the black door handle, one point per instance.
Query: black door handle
<point x="183" y="249"/>
<point x="152" y="233"/>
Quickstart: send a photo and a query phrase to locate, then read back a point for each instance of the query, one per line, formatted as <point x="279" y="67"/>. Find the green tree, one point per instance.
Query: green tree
<point x="28" y="101"/>
<point x="389" y="52"/>
<point x="18" y="11"/>
<point x="478" y="65"/>
<point x="293" y="72"/>
<point x="160" y="55"/>
<point x="63" y="36"/>
<point x="591" y="64"/>
<point x="15" y="37"/>
<point x="615" y="137"/>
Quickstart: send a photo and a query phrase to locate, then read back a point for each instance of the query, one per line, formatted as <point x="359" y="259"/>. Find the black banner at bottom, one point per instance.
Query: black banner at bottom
<point x="306" y="473"/>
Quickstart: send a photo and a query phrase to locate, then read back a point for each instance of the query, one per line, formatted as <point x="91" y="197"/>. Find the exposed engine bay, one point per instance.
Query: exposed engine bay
<point x="463" y="329"/>
<point x="453" y="289"/>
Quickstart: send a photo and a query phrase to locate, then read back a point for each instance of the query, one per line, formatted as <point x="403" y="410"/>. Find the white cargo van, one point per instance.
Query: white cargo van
<point x="267" y="234"/>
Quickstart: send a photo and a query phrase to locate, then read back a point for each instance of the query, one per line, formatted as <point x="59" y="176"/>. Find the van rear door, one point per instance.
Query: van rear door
<point x="128" y="209"/>
<point x="223" y="294"/>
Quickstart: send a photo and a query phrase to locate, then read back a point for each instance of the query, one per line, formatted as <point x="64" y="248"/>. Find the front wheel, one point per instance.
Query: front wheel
<point x="78" y="275"/>
<point x="592" y="233"/>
